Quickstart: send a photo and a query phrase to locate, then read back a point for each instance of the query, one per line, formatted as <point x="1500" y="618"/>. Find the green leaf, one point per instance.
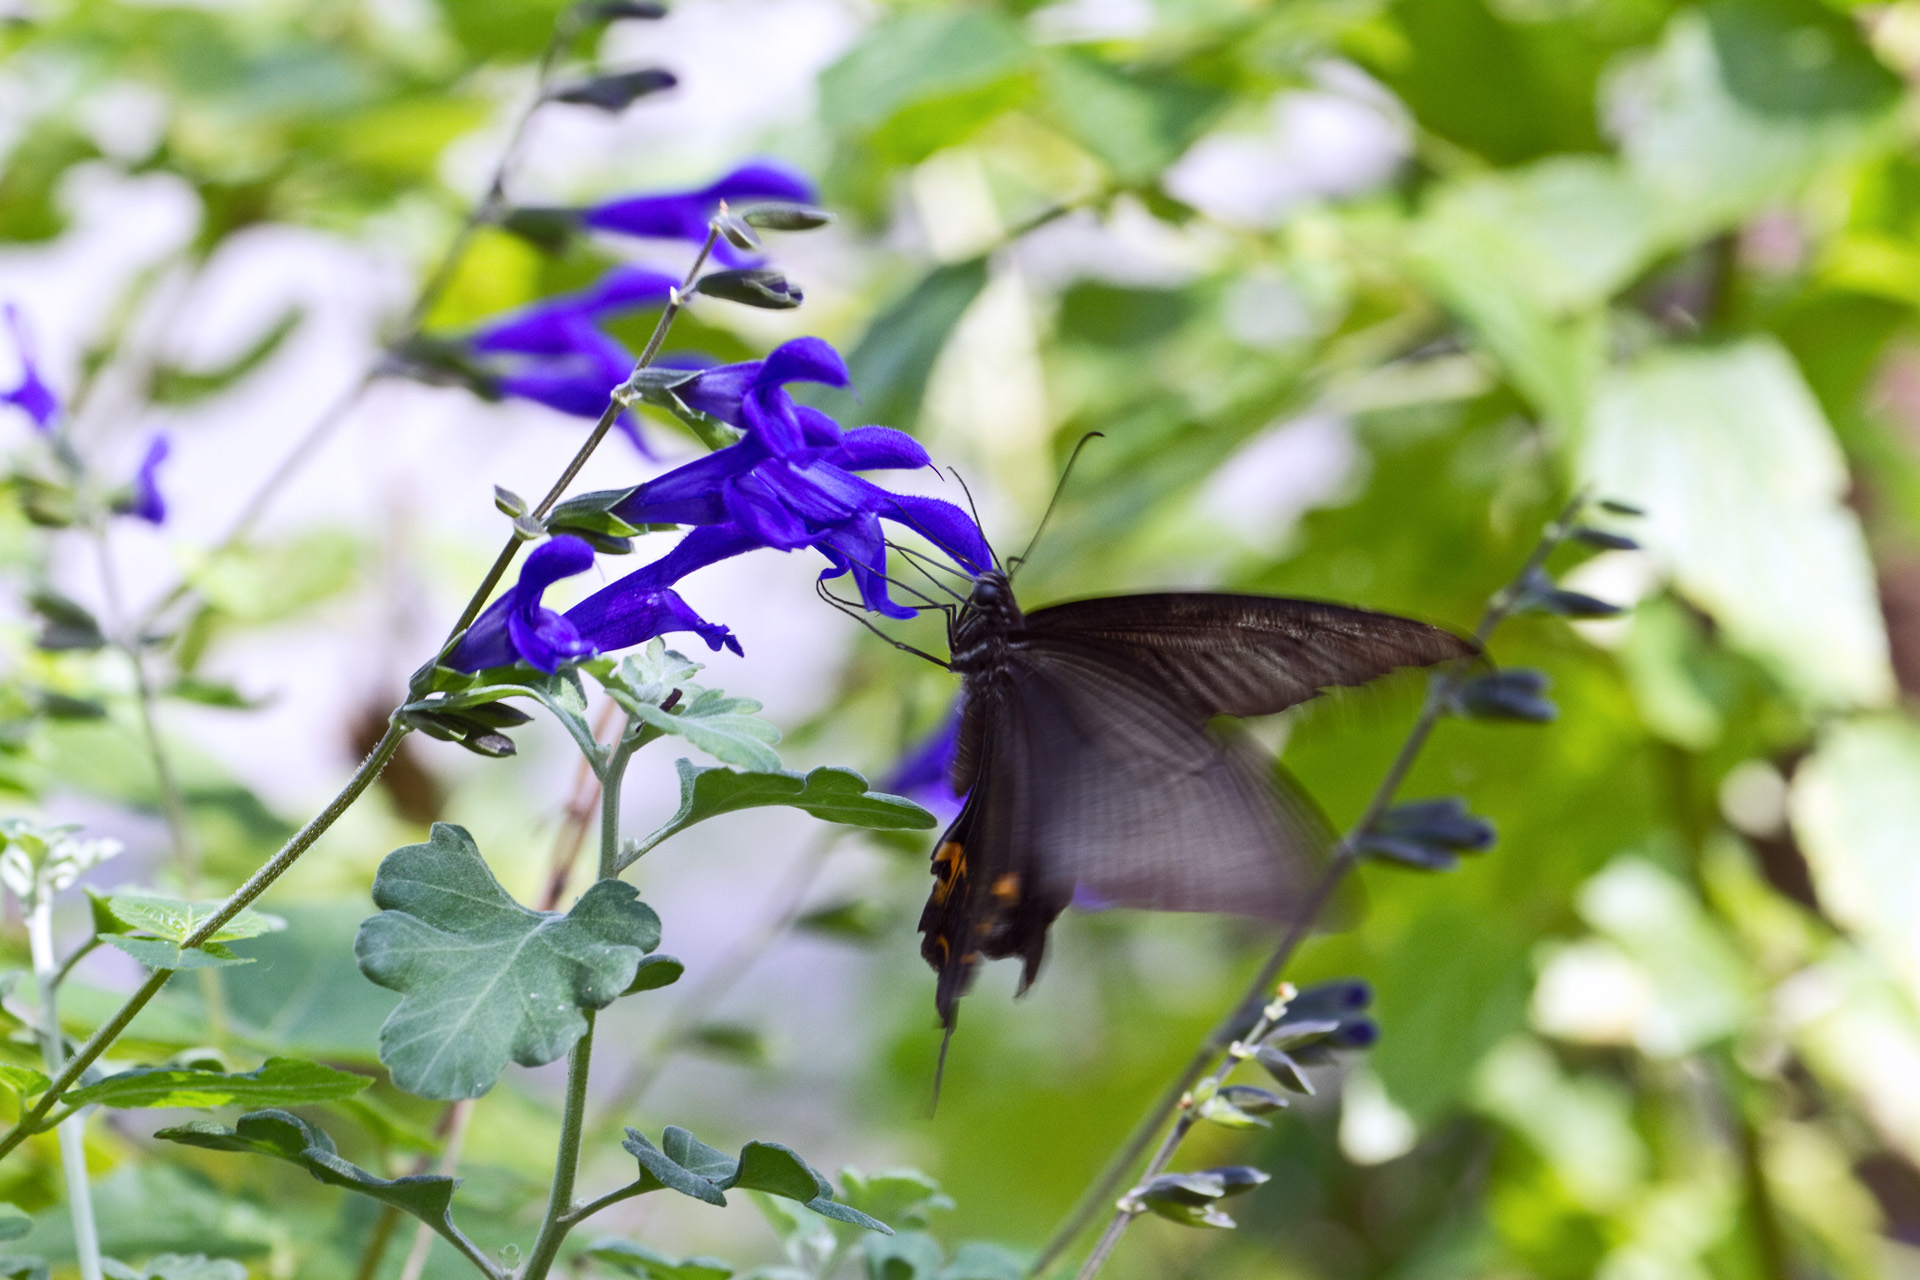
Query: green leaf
<point x="770" y="1167"/>
<point x="925" y="80"/>
<point x="896" y="1195"/>
<point x="285" y="1136"/>
<point x="176" y="920"/>
<point x="210" y="693"/>
<point x="659" y="1169"/>
<point x="1137" y="125"/>
<point x="1855" y="809"/>
<point x="895" y="358"/>
<point x="14" y="1221"/>
<point x="656" y="971"/>
<point x="648" y="676"/>
<point x="156" y="953"/>
<point x="23" y="1083"/>
<point x="173" y="385"/>
<point x="856" y="921"/>
<point x="725" y="728"/>
<point x="685" y="1164"/>
<point x="638" y="1260"/>
<point x="836" y="795"/>
<point x="1744" y="491"/>
<point x="1709" y="152"/>
<point x="1797" y="58"/>
<point x="911" y="1255"/>
<point x="485" y="980"/>
<point x="284" y="1082"/>
<point x="259" y="584"/>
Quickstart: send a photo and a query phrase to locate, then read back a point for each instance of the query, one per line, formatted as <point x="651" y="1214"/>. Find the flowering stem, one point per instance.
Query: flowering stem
<point x="1345" y="857"/>
<point x="614" y="409"/>
<point x="72" y="1128"/>
<point x="256" y="884"/>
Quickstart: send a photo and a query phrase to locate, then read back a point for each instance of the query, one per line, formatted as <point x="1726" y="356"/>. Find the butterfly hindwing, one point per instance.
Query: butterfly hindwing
<point x="1088" y="781"/>
<point x="988" y="897"/>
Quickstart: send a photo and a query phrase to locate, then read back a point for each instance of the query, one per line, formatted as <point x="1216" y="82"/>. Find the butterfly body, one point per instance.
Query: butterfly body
<point x="1093" y="766"/>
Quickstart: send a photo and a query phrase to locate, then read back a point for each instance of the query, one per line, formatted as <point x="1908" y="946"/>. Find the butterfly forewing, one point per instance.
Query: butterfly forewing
<point x="1230" y="655"/>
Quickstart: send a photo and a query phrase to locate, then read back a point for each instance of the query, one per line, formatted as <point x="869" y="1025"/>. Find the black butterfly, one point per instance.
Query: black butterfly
<point x="1091" y="764"/>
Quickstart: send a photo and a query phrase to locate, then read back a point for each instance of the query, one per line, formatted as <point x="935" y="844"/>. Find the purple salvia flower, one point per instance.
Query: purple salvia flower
<point x="683" y="215"/>
<point x="552" y="327"/>
<point x="32" y="396"/>
<point x="753" y="395"/>
<point x="805" y="495"/>
<point x="146" y="502"/>
<point x="642" y="605"/>
<point x="576" y="371"/>
<point x="518" y="628"/>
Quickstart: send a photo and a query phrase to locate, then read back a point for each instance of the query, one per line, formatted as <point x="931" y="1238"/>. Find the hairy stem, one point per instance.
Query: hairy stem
<point x="256" y="884"/>
<point x="566" y="1163"/>
<point x="1345" y="858"/>
<point x="561" y="1215"/>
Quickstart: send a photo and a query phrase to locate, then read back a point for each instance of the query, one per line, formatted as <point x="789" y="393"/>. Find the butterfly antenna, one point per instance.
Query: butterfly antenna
<point x="940" y="1067"/>
<point x="920" y="562"/>
<point x="1018" y="561"/>
<point x="955" y="473"/>
<point x="880" y="571"/>
<point x="859" y="616"/>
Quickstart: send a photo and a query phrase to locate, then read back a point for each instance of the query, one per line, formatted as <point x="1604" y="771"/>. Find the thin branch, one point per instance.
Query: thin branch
<point x="80" y="953"/>
<point x="1345" y="857"/>
<point x="173" y="805"/>
<point x="256" y="884"/>
<point x="72" y="1127"/>
<point x="591" y="1207"/>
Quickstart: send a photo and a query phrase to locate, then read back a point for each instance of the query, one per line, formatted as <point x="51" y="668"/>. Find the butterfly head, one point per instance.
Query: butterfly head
<point x="977" y="637"/>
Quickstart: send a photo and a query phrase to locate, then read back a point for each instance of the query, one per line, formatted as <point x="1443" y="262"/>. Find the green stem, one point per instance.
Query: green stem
<point x="504" y="561"/>
<point x="1345" y="857"/>
<point x="566" y="1164"/>
<point x="610" y="782"/>
<point x="561" y="1212"/>
<point x="241" y="898"/>
<point x="591" y="1207"/>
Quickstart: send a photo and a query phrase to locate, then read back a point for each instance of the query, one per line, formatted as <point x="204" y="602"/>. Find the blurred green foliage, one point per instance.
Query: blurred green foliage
<point x="1669" y="1027"/>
